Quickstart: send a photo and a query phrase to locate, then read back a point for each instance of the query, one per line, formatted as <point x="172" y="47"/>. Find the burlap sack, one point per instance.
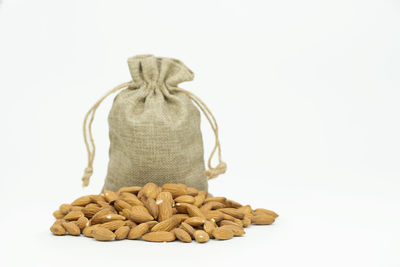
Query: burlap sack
<point x="154" y="129"/>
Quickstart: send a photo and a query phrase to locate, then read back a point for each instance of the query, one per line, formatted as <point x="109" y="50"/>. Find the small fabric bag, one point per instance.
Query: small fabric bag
<point x="154" y="129"/>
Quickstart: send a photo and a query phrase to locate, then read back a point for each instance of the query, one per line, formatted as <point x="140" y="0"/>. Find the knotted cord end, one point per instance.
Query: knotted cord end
<point x="214" y="172"/>
<point x="86" y="176"/>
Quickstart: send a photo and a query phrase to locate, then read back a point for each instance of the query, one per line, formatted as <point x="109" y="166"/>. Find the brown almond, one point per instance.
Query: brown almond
<point x="102" y="234"/>
<point x="227" y="222"/>
<point x="81" y="201"/>
<point x="98" y="215"/>
<point x="120" y="204"/>
<point x="58" y="229"/>
<point x="185" y="199"/>
<point x="71" y="228"/>
<point x="82" y="222"/>
<point x="181" y="217"/>
<point x="232" y="204"/>
<point x="194" y="211"/>
<point x="175" y="189"/>
<point x="152" y="207"/>
<point x="140" y="214"/>
<point x="138" y="231"/>
<point x="262" y="219"/>
<point x="88" y="231"/>
<point x="214" y="215"/>
<point x="195" y="221"/>
<point x="110" y="217"/>
<point x="113" y="225"/>
<point x="131" y="199"/>
<point x="164" y="201"/>
<point x="151" y="224"/>
<point x="122" y="232"/>
<point x="209" y="227"/>
<point x="222" y="233"/>
<point x="268" y="212"/>
<point x="245" y="209"/>
<point x="97" y="198"/>
<point x="58" y="214"/>
<point x="90" y="210"/>
<point x="130" y="189"/>
<point x="188" y="228"/>
<point x="130" y="223"/>
<point x="182" y="235"/>
<point x="199" y="199"/>
<point x="73" y="215"/>
<point x="201" y="236"/>
<point x="236" y="230"/>
<point x="166" y="225"/>
<point x="191" y="191"/>
<point x="246" y="221"/>
<point x="65" y="208"/>
<point x="217" y="199"/>
<point x="110" y="196"/>
<point x="233" y="212"/>
<point x="150" y="190"/>
<point x="161" y="236"/>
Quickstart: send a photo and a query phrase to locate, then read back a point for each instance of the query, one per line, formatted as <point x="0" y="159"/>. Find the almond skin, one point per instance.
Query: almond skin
<point x="96" y="219"/>
<point x="102" y="234"/>
<point x="122" y="233"/>
<point x="131" y="199"/>
<point x="161" y="236"/>
<point x="185" y="199"/>
<point x="222" y="233"/>
<point x="195" y="221"/>
<point x="58" y="214"/>
<point x="88" y="231"/>
<point x="262" y="219"/>
<point x="201" y="236"/>
<point x="268" y="212"/>
<point x="164" y="201"/>
<point x="71" y="228"/>
<point x="233" y="212"/>
<point x="138" y="231"/>
<point x="182" y="235"/>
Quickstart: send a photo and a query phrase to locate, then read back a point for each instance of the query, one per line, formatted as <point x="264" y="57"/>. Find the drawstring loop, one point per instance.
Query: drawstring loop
<point x="91" y="150"/>
<point x="212" y="172"/>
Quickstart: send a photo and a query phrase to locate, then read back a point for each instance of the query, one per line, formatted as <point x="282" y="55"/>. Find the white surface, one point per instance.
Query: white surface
<point x="306" y="94"/>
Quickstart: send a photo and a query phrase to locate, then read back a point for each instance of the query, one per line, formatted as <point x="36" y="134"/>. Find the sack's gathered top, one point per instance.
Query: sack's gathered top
<point x="154" y="129"/>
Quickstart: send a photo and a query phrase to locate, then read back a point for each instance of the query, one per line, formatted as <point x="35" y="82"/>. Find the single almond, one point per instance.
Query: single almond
<point x="161" y="236"/>
<point x="122" y="232"/>
<point x="151" y="224"/>
<point x="58" y="214"/>
<point x="110" y="217"/>
<point x="130" y="189"/>
<point x="214" y="215"/>
<point x="97" y="198"/>
<point x="65" y="208"/>
<point x="73" y="215"/>
<point x="120" y="204"/>
<point x="131" y="199"/>
<point x="262" y="219"/>
<point x="138" y="231"/>
<point x="175" y="189"/>
<point x="236" y="230"/>
<point x="209" y="227"/>
<point x="245" y="209"/>
<point x="191" y="191"/>
<point x="164" y="202"/>
<point x="232" y="204"/>
<point x="166" y="225"/>
<point x="199" y="199"/>
<point x="150" y="190"/>
<point x="201" y="236"/>
<point x="195" y="221"/>
<point x="194" y="211"/>
<point x="182" y="235"/>
<point x="152" y="207"/>
<point x="90" y="210"/>
<point x="268" y="212"/>
<point x="217" y="199"/>
<point x="82" y="222"/>
<point x="81" y="201"/>
<point x="246" y="221"/>
<point x="140" y="214"/>
<point x="96" y="219"/>
<point x="233" y="212"/>
<point x="71" y="228"/>
<point x="88" y="231"/>
<point x="58" y="229"/>
<point x="102" y="234"/>
<point x="113" y="225"/>
<point x="188" y="228"/>
<point x="227" y="222"/>
<point x="221" y="233"/>
<point x="185" y="199"/>
<point x="110" y="196"/>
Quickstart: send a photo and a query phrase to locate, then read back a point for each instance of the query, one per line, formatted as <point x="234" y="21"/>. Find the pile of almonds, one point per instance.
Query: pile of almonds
<point x="157" y="214"/>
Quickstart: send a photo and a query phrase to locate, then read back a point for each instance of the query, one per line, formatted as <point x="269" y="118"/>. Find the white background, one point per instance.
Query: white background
<point x="306" y="94"/>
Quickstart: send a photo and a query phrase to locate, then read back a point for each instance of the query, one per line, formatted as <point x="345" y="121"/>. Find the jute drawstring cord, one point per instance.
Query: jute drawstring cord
<point x="211" y="173"/>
